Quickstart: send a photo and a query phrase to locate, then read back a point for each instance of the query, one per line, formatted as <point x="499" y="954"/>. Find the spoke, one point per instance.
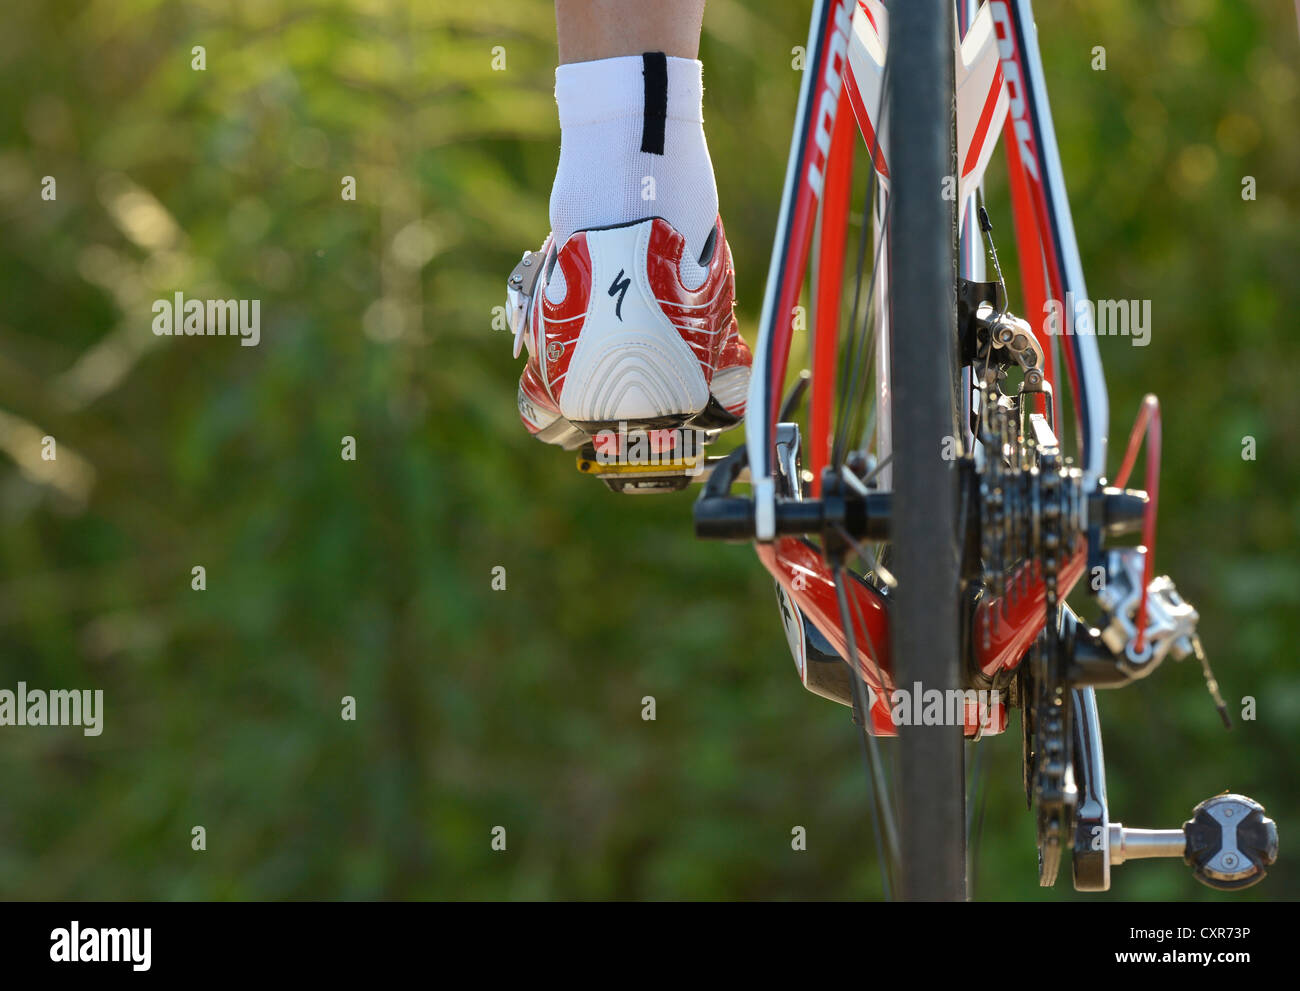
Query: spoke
<point x="857" y="363"/>
<point x="891" y="821"/>
<point x="886" y="828"/>
<point x="878" y="569"/>
<point x="879" y="467"/>
<point x="848" y="373"/>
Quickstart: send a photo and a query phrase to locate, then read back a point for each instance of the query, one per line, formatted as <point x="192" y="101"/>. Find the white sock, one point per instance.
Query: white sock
<point x="609" y="111"/>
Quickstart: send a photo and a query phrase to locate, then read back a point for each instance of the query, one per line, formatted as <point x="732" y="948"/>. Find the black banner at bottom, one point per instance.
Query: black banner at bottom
<point x="901" y="943"/>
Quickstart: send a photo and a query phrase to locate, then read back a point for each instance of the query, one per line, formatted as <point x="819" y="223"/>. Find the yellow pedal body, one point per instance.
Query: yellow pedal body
<point x="642" y="472"/>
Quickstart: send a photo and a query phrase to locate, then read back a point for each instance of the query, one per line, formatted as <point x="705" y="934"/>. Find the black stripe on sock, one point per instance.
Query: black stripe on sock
<point x="654" y="66"/>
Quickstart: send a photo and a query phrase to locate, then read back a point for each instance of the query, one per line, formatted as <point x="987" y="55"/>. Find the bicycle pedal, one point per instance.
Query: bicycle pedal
<point x="645" y="462"/>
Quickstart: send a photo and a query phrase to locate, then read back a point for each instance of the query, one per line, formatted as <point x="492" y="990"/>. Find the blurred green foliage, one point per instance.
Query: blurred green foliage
<point x="326" y="578"/>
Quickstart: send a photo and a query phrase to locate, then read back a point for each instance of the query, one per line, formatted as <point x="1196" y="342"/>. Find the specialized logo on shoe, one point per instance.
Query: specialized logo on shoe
<point x="554" y="350"/>
<point x="619" y="289"/>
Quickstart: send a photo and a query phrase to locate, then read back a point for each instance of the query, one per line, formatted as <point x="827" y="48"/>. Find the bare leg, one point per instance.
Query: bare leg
<point x="598" y="29"/>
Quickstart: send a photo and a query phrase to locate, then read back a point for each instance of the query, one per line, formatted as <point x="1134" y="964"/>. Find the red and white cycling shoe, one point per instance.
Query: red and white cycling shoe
<point x="625" y="334"/>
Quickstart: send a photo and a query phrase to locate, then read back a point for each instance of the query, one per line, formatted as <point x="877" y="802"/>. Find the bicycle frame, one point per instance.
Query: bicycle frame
<point x="818" y="175"/>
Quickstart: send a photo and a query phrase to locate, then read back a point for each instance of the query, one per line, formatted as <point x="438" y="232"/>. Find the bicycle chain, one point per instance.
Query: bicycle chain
<point x="1052" y="785"/>
<point x="1031" y="511"/>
